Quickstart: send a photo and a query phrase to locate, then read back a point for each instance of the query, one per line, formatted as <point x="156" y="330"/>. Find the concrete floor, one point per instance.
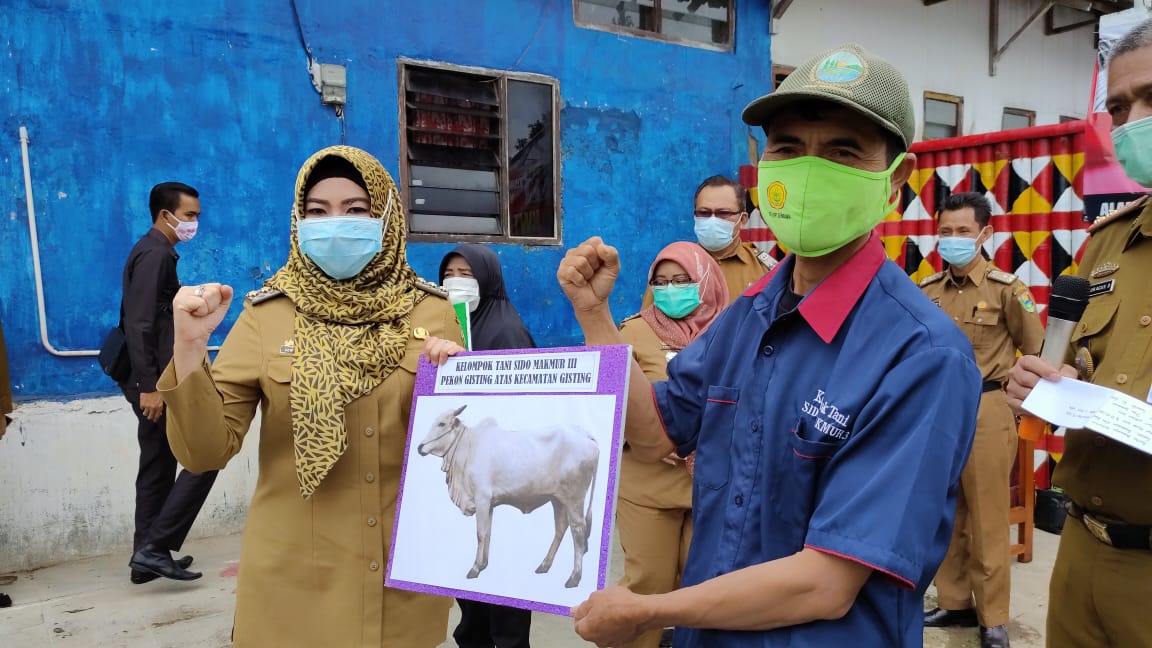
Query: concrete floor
<point x="91" y="603"/>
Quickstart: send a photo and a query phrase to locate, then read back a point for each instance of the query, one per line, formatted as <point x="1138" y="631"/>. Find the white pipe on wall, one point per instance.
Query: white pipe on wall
<point x="41" y="311"/>
<point x="36" y="258"/>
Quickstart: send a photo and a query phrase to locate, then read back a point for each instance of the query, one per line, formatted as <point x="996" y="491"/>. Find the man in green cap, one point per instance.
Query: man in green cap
<point x="831" y="407"/>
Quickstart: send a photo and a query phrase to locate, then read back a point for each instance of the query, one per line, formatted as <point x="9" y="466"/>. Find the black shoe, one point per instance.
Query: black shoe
<point x="938" y="618"/>
<point x="140" y="577"/>
<point x="994" y="637"/>
<point x="153" y="560"/>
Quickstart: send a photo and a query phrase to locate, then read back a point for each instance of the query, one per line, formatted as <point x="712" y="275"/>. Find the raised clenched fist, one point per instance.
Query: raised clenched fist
<point x="588" y="273"/>
<point x="198" y="310"/>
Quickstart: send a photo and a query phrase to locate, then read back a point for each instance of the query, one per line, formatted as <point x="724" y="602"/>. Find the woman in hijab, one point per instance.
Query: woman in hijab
<point x="654" y="507"/>
<point x="471" y="274"/>
<point x="327" y="351"/>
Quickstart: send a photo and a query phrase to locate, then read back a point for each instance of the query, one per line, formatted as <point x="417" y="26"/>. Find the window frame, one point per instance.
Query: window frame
<point x="955" y="100"/>
<point x="403" y="64"/>
<point x="730" y="46"/>
<point x="1018" y="112"/>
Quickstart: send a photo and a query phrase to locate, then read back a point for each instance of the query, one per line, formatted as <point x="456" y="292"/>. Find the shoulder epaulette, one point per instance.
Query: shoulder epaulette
<point x="1000" y="276"/>
<point x="431" y="288"/>
<point x="262" y="295"/>
<point x="626" y="320"/>
<point x="1129" y="210"/>
<point x="931" y="279"/>
<point x="766" y="260"/>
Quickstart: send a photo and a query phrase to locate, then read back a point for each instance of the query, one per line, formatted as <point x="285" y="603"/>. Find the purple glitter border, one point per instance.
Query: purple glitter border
<point x="615" y="365"/>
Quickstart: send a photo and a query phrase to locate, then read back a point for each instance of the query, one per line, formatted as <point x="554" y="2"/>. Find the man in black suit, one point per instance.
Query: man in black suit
<point x="166" y="504"/>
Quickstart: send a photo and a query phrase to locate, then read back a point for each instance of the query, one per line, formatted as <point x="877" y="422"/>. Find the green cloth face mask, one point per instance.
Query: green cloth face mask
<point x="815" y="207"/>
<point x="676" y="301"/>
<point x="1133" y="143"/>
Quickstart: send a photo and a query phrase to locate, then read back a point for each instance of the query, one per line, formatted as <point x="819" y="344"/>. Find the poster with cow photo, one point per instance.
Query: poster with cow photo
<point x="509" y="483"/>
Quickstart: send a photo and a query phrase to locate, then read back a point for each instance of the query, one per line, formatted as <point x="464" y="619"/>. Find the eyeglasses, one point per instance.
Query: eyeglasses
<point x="678" y="280"/>
<point x="726" y="214"/>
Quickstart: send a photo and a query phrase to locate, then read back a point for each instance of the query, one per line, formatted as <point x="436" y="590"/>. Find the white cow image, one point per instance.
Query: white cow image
<point x="487" y="465"/>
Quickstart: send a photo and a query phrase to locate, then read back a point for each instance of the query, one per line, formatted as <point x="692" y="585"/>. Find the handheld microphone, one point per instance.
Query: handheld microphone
<point x="1065" y="308"/>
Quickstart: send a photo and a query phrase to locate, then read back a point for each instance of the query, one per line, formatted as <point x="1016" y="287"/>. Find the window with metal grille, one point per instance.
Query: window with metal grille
<point x="701" y="23"/>
<point x="479" y="157"/>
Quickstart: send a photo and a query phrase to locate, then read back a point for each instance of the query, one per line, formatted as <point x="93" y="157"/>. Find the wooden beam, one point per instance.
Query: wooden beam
<point x="994" y="52"/>
<point x="779" y="7"/>
<point x="1051" y="28"/>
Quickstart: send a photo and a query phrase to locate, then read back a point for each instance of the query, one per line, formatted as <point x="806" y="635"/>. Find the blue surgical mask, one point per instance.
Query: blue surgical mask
<point x="340" y="245"/>
<point x="714" y="233"/>
<point x="1133" y="143"/>
<point x="676" y="301"/>
<point x="957" y="250"/>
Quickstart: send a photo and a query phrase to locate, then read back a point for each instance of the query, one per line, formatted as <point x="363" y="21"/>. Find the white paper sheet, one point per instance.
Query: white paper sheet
<point x="1078" y="404"/>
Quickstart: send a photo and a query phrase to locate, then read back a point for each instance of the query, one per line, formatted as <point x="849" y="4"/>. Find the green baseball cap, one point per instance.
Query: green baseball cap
<point x="851" y="77"/>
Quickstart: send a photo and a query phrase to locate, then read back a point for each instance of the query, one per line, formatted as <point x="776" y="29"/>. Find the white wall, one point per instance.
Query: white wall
<point x="67" y="474"/>
<point x="944" y="48"/>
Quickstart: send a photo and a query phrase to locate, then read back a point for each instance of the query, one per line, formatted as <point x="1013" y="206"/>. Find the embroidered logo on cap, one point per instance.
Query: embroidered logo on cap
<point x="840" y="67"/>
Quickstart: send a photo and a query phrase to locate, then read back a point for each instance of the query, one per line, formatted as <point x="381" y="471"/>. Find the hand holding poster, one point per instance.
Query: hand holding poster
<point x="494" y="437"/>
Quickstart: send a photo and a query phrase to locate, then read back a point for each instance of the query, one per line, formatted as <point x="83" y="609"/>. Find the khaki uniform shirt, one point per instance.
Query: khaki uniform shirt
<point x="744" y="267"/>
<point x="653" y="484"/>
<point x="995" y="310"/>
<point x="311" y="571"/>
<point x="1113" y="343"/>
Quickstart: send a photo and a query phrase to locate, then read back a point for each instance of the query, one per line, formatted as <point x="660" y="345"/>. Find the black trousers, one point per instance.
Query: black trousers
<point x="166" y="503"/>
<point x="484" y="625"/>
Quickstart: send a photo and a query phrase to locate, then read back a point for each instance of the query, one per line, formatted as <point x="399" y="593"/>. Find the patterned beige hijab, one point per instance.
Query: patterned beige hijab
<point x="349" y="335"/>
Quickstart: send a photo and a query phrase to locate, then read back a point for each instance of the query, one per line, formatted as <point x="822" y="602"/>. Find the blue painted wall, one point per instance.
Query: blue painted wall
<point x="118" y="95"/>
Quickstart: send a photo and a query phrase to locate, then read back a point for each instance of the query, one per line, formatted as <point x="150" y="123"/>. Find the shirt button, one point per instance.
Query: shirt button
<point x="768" y="350"/>
<point x="979" y="319"/>
<point x="369" y="432"/>
<point x="1096" y="501"/>
<point x="1100" y="441"/>
<point x="371" y="521"/>
<point x="739" y="500"/>
<point x="755" y="425"/>
<point x="1146" y="320"/>
<point x="1121" y="378"/>
<point x="374" y="565"/>
<point x="369" y="478"/>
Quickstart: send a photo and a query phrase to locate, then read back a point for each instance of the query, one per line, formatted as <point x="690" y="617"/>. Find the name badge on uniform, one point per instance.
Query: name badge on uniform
<point x="288" y="347"/>
<point x="1102" y="288"/>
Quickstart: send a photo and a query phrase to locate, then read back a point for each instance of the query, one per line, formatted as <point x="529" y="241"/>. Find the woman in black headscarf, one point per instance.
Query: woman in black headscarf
<point x="471" y="273"/>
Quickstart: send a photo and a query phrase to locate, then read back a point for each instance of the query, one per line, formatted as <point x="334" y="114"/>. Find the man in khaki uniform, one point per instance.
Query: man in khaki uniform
<point x="1101" y="588"/>
<point x="997" y="313"/>
<point x="719" y="216"/>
